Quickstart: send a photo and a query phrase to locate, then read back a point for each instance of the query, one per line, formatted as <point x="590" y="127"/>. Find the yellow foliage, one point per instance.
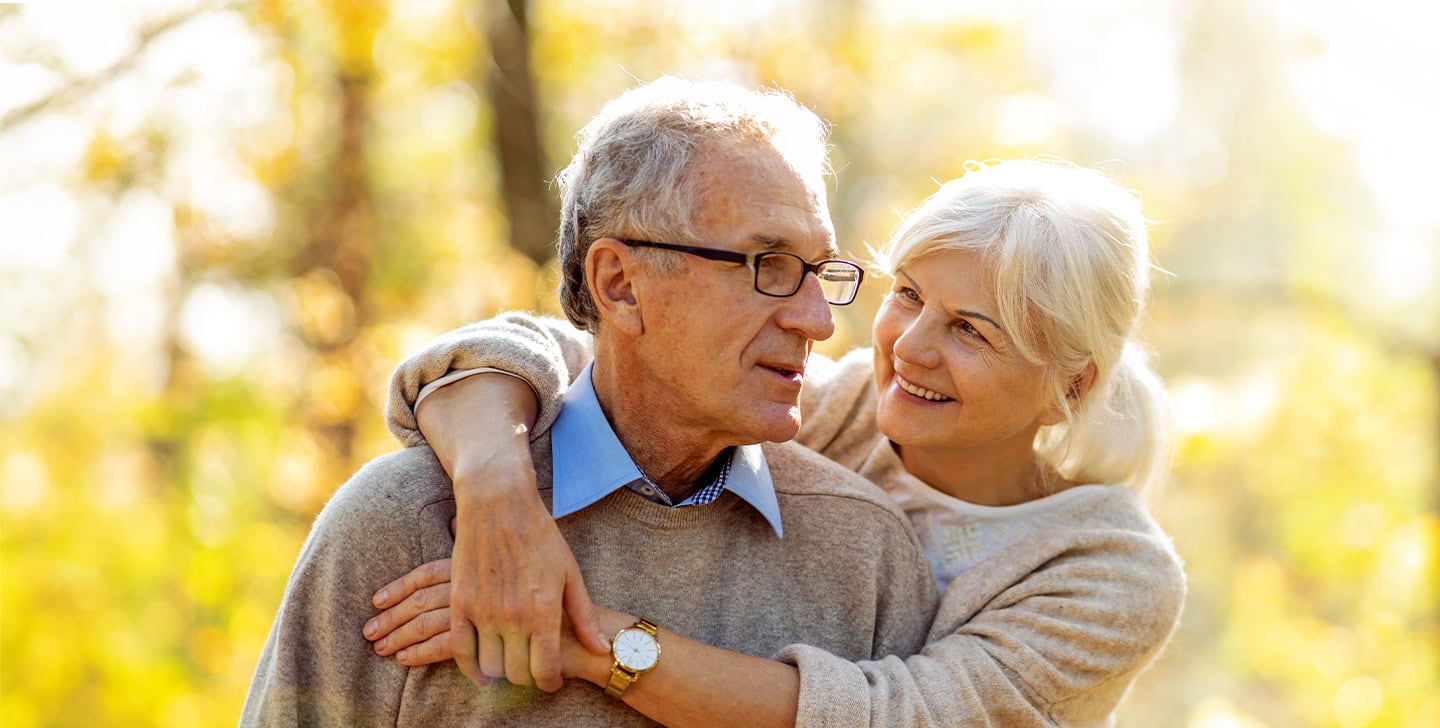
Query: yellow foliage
<point x="152" y="505"/>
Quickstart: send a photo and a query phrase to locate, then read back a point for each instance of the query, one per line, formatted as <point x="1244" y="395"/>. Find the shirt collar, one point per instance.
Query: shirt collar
<point x="590" y="463"/>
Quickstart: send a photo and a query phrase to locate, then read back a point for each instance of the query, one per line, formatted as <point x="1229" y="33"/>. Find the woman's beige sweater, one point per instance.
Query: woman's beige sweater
<point x="1050" y="630"/>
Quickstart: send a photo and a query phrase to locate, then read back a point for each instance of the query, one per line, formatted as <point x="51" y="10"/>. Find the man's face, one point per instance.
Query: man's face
<point x="731" y="359"/>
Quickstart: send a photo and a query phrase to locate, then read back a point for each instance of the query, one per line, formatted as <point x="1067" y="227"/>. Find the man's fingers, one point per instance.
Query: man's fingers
<point x="428" y="574"/>
<point x="419" y="629"/>
<point x="584" y="617"/>
<point x="414" y="606"/>
<point x="436" y="649"/>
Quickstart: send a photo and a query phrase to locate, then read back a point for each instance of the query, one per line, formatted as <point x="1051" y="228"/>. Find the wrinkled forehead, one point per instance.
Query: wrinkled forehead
<point x="752" y="196"/>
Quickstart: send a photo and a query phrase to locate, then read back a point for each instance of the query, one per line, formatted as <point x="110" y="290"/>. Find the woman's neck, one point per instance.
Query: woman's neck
<point x="986" y="476"/>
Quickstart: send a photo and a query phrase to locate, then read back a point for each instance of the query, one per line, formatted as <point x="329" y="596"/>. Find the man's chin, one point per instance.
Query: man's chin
<point x="781" y="425"/>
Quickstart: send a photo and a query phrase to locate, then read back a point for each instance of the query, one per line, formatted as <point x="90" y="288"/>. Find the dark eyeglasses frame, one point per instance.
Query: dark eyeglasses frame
<point x="752" y="261"/>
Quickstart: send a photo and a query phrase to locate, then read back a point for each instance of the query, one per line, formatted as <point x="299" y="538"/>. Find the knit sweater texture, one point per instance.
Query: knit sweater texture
<point x="849" y="577"/>
<point x="1051" y="630"/>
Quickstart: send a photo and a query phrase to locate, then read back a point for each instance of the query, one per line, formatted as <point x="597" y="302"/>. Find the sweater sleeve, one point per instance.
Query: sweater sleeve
<point x="317" y="669"/>
<point x="547" y="353"/>
<point x="1059" y="647"/>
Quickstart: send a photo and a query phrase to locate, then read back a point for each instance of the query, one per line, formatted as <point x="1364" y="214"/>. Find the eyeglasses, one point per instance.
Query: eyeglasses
<point x="780" y="274"/>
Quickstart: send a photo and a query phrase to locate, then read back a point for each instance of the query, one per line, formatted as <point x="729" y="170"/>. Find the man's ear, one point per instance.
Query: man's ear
<point x="610" y="271"/>
<point x="1075" y="394"/>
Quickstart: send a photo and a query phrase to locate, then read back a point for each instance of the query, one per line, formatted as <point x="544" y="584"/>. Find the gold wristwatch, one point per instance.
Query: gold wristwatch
<point x="636" y="649"/>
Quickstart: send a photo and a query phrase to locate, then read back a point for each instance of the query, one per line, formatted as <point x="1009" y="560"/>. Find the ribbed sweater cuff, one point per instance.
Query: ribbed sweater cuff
<point x="833" y="692"/>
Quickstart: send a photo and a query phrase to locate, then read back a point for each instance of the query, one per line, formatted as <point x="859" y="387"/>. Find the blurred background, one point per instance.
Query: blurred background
<point x="222" y="225"/>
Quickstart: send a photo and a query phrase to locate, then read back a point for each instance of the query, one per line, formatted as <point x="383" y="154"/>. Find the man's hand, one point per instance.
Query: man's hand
<point x="513" y="572"/>
<point x="415" y="626"/>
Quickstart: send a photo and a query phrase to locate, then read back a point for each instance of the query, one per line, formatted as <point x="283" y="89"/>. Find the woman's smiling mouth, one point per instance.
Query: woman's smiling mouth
<point x="920" y="391"/>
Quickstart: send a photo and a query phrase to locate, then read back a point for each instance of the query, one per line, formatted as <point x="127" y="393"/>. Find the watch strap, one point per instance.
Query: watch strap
<point x="620" y="677"/>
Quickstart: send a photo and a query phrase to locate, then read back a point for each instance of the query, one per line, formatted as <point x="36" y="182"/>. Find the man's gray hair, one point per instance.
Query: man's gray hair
<point x="630" y="177"/>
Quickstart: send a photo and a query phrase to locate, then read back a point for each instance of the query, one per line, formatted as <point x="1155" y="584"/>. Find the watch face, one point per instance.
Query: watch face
<point x="636" y="650"/>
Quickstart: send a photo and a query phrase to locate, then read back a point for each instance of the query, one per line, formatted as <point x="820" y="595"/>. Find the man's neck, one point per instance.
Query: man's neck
<point x="673" y="457"/>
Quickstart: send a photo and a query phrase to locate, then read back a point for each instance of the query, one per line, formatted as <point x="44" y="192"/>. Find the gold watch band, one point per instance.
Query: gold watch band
<point x="620" y="678"/>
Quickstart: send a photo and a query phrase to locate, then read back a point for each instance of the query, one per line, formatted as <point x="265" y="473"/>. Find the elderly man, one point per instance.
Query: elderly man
<point x="696" y="246"/>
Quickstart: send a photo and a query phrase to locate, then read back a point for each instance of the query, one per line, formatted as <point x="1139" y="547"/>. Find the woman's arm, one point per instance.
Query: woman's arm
<point x="510" y="627"/>
<point x="546" y="353"/>
<point x="479" y="428"/>
<point x="1058" y="646"/>
<point x="696" y="684"/>
<point x="693" y="683"/>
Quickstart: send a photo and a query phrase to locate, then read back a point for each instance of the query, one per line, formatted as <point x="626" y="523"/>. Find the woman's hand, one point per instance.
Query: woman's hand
<point x="415" y="626"/>
<point x="514" y="576"/>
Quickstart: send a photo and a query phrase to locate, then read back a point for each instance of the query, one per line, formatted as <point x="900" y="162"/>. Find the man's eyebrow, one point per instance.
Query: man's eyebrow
<point x="775" y="243"/>
<point x="771" y="242"/>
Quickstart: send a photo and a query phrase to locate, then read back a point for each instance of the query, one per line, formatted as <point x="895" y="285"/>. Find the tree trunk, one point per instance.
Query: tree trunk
<point x="524" y="173"/>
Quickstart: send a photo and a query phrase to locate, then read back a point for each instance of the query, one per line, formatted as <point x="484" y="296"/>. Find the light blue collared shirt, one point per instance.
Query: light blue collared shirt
<point x="590" y="463"/>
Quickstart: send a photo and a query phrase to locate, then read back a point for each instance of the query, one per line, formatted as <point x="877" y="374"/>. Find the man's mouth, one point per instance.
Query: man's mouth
<point x="791" y="372"/>
<point x="920" y="391"/>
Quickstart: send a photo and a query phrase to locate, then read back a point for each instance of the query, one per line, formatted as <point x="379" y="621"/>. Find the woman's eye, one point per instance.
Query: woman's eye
<point x="907" y="293"/>
<point x="969" y="329"/>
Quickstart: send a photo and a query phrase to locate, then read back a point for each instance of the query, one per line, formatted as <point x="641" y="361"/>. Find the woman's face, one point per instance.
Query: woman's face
<point x="948" y="375"/>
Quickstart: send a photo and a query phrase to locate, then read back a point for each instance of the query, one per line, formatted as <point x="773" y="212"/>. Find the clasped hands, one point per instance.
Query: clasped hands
<point x="517" y="607"/>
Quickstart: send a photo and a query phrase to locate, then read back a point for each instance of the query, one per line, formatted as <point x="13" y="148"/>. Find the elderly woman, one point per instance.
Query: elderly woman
<point x="1005" y="406"/>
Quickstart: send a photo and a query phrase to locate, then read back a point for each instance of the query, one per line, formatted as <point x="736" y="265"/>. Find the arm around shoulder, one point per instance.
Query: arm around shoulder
<point x="547" y="353"/>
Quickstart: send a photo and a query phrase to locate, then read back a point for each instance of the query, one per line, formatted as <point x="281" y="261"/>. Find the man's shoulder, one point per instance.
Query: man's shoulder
<point x="393" y="486"/>
<point x="802" y="474"/>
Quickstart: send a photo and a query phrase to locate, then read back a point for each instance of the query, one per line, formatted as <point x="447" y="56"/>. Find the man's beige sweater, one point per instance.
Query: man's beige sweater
<point x="1051" y="630"/>
<point x="848" y="577"/>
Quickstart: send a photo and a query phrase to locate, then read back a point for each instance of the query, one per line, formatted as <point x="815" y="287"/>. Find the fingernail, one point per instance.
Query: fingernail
<point x="370" y="627"/>
<point x="382" y="597"/>
<point x="404" y="655"/>
<point x="381" y="644"/>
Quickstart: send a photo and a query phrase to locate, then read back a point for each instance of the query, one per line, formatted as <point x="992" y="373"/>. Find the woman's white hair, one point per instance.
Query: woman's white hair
<point x="630" y="176"/>
<point x="1068" y="250"/>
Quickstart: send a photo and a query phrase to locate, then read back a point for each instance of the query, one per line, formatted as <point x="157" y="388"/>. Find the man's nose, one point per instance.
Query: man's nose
<point x="807" y="312"/>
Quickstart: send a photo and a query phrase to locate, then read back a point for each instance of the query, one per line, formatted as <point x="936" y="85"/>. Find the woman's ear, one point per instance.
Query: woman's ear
<point x="1075" y="394"/>
<point x="610" y="272"/>
<point x="1081" y="384"/>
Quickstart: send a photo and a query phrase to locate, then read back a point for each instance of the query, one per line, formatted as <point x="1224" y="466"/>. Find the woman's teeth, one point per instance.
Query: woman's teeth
<point x="922" y="392"/>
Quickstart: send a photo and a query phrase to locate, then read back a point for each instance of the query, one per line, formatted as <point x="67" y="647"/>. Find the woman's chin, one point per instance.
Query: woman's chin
<point x="898" y="429"/>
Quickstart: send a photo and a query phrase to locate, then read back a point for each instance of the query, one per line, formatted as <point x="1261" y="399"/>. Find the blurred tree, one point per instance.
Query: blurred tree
<point x="221" y="226"/>
<point x="530" y="205"/>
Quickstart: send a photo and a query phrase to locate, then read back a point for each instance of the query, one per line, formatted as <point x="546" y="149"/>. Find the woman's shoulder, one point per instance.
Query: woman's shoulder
<point x="1102" y="543"/>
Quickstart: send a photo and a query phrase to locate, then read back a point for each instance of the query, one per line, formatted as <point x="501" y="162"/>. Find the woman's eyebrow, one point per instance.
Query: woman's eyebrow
<point x="962" y="313"/>
<point x="976" y="314"/>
